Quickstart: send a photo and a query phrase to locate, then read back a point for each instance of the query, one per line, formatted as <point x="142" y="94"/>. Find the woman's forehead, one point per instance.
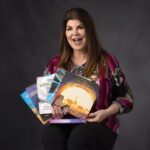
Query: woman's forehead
<point x="73" y="22"/>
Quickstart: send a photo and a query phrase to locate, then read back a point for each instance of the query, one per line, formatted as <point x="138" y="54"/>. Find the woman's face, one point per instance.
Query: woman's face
<point x="76" y="34"/>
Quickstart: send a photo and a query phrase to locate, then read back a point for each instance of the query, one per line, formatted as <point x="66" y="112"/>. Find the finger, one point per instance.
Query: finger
<point x="92" y="114"/>
<point x="55" y="115"/>
<point x="65" y="109"/>
<point x="57" y="112"/>
<point x="92" y="119"/>
<point x="60" y="112"/>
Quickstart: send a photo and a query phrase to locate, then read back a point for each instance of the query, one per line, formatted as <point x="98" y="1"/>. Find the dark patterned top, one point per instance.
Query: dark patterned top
<point x="113" y="88"/>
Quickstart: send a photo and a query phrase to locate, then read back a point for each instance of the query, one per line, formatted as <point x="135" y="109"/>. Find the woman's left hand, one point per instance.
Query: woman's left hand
<point x="97" y="116"/>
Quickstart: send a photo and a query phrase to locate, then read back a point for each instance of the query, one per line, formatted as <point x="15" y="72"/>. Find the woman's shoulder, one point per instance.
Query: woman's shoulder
<point x="53" y="64"/>
<point x="54" y="59"/>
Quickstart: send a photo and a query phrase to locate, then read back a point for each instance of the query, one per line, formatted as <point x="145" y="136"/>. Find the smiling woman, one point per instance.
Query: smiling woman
<point x="76" y="35"/>
<point x="81" y="54"/>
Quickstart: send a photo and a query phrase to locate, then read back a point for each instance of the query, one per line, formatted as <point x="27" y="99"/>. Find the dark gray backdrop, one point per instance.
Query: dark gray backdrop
<point x="30" y="35"/>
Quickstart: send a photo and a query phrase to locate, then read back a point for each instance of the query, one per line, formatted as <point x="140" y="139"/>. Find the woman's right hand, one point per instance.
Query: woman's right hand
<point x="59" y="112"/>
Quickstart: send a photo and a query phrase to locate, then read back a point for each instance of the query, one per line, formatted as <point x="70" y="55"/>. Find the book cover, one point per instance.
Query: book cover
<point x="31" y="99"/>
<point x="32" y="93"/>
<point x="78" y="93"/>
<point x="43" y="86"/>
<point x="26" y="98"/>
<point x="59" y="75"/>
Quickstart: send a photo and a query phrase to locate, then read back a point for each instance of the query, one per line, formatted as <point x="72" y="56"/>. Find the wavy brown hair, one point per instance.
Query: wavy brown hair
<point x="96" y="54"/>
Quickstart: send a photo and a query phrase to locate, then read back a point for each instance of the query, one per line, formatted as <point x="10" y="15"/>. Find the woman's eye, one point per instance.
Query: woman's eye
<point x="81" y="27"/>
<point x="68" y="29"/>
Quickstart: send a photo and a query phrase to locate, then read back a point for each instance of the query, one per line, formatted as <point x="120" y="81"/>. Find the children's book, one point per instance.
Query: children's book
<point x="59" y="75"/>
<point x="26" y="98"/>
<point x="42" y="110"/>
<point x="32" y="93"/>
<point x="78" y="93"/>
<point x="43" y="86"/>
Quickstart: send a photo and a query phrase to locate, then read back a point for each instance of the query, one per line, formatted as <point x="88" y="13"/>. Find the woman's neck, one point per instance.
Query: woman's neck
<point x="79" y="58"/>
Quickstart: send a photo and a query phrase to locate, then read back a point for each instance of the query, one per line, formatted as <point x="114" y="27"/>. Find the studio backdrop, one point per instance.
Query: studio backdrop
<point x="29" y="36"/>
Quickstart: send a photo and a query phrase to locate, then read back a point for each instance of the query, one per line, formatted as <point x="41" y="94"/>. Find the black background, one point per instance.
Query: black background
<point x="29" y="36"/>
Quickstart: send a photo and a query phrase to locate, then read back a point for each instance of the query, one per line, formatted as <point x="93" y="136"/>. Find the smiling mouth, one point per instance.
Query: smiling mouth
<point x="77" y="41"/>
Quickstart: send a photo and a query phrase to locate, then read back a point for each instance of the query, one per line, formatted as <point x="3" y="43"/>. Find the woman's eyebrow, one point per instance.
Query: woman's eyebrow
<point x="76" y="26"/>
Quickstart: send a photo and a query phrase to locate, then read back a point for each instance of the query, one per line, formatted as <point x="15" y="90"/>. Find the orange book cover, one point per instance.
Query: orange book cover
<point x="78" y="93"/>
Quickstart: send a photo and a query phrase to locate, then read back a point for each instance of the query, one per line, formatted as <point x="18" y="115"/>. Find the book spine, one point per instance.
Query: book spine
<point x="67" y="121"/>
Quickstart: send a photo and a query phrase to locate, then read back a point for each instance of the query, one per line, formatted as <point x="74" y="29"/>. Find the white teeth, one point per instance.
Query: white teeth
<point x="77" y="42"/>
<point x="79" y="39"/>
<point x="76" y="39"/>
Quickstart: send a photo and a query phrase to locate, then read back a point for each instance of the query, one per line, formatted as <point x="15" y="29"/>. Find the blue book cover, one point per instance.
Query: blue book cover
<point x="44" y="118"/>
<point x="26" y="98"/>
<point x="32" y="91"/>
<point x="55" y="84"/>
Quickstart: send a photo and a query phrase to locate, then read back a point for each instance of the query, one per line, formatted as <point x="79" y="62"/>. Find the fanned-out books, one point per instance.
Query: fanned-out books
<point x="63" y="89"/>
<point x="35" y="95"/>
<point x="32" y="94"/>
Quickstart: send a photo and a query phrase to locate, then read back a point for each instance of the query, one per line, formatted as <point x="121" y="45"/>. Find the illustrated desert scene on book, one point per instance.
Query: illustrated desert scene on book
<point x="77" y="96"/>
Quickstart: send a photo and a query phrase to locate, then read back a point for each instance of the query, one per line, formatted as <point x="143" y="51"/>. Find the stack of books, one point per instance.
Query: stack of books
<point x="63" y="89"/>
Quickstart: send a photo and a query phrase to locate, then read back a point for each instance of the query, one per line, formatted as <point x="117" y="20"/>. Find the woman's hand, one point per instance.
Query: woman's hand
<point x="97" y="116"/>
<point x="59" y="112"/>
<point x="102" y="114"/>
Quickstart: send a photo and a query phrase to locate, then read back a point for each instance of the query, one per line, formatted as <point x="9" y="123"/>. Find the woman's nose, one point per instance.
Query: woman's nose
<point x="75" y="32"/>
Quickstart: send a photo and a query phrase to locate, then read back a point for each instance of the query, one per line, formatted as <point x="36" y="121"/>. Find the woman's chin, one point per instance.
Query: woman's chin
<point x="78" y="48"/>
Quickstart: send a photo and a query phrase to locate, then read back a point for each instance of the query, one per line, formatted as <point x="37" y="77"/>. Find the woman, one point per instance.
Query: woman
<point x="81" y="53"/>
